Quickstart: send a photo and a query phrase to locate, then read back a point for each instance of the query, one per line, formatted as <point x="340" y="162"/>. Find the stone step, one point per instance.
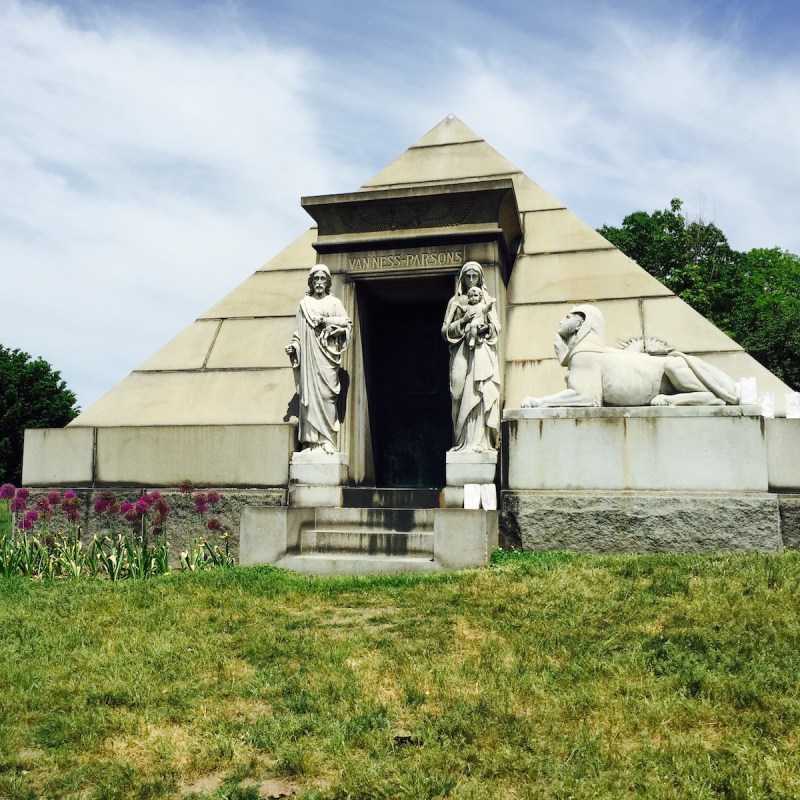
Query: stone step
<point x="400" y="520"/>
<point x="348" y="564"/>
<point x="371" y="497"/>
<point x="366" y="542"/>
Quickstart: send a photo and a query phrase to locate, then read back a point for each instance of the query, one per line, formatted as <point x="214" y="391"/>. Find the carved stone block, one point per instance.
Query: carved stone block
<point x="463" y="466"/>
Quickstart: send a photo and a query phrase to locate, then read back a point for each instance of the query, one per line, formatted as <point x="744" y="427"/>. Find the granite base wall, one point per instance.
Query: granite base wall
<point x="789" y="508"/>
<point x="645" y="522"/>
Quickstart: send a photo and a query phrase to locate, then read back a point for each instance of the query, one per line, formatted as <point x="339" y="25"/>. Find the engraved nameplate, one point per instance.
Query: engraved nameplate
<point x="387" y="260"/>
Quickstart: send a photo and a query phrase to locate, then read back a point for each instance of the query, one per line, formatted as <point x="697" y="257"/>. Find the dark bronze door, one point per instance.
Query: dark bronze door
<point x="406" y="365"/>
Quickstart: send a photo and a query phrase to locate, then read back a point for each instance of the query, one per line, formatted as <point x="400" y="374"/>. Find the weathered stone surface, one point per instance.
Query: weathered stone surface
<point x="196" y="397"/>
<point x="268" y="534"/>
<point x="531" y="327"/>
<point x="319" y="469"/>
<point x="691" y="448"/>
<point x="544" y="376"/>
<point x="783" y="454"/>
<point x="642" y="522"/>
<point x="559" y="231"/>
<point x="188" y="350"/>
<point x="590" y="274"/>
<point x="531" y="196"/>
<point x="451" y="162"/>
<point x="674" y="321"/>
<point x="464" y="538"/>
<point x="263" y="294"/>
<point x="229" y="455"/>
<point x="247" y="343"/>
<point x="789" y="505"/>
<point x="315" y="496"/>
<point x="58" y="457"/>
<point x="465" y="467"/>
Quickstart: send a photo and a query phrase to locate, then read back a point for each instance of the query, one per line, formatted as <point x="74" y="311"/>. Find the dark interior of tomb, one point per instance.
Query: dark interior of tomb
<point x="406" y="364"/>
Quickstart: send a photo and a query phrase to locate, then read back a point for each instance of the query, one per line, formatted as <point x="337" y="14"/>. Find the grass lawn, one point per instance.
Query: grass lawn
<point x="545" y="676"/>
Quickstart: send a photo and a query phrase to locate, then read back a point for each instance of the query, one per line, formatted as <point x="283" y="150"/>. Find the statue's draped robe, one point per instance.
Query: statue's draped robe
<point x="317" y="376"/>
<point x="474" y="379"/>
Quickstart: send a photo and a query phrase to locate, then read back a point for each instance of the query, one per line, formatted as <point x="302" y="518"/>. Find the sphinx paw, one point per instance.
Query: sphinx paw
<point x="660" y="400"/>
<point x="530" y="402"/>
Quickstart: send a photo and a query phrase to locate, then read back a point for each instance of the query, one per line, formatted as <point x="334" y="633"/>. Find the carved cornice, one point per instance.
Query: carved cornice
<point x="436" y="212"/>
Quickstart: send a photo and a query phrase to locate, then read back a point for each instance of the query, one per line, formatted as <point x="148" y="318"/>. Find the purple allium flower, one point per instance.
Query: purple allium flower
<point x="73" y="513"/>
<point x="162" y="506"/>
<point x="186" y="487"/>
<point x="200" y="497"/>
<point x="70" y="494"/>
<point x="18" y="504"/>
<point x="25" y="524"/>
<point x="7" y="491"/>
<point x="142" y="507"/>
<point x="214" y="497"/>
<point x="32" y="515"/>
<point x="101" y="506"/>
<point x="126" y="507"/>
<point x="42" y="503"/>
<point x="201" y="508"/>
<point x="23" y="493"/>
<point x="153" y="497"/>
<point x="71" y="502"/>
<point x="214" y="524"/>
<point x="54" y="498"/>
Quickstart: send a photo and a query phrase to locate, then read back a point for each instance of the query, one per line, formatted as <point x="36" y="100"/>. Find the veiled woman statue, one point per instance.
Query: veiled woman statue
<point x="322" y="334"/>
<point x="471" y="328"/>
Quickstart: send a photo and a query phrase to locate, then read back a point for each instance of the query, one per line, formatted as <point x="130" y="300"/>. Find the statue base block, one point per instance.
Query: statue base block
<point x="303" y="495"/>
<point x="464" y="466"/>
<point x="315" y="468"/>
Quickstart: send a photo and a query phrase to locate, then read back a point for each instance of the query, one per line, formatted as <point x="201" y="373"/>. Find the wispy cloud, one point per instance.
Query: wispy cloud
<point x="150" y="163"/>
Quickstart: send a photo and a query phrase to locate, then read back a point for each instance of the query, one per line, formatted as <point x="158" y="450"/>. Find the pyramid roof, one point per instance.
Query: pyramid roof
<point x="229" y="365"/>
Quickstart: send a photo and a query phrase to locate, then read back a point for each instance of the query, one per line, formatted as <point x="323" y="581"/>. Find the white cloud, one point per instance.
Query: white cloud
<point x="147" y="166"/>
<point x="141" y="177"/>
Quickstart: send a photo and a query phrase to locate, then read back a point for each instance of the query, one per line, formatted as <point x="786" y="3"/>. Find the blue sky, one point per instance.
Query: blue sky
<point x="153" y="154"/>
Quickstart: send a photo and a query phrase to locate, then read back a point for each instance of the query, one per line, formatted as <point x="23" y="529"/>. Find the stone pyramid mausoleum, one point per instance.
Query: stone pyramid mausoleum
<point x="217" y="404"/>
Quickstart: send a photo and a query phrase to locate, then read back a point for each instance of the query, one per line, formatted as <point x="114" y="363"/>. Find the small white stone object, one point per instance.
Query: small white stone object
<point x="792" y="405"/>
<point x="489" y="496"/>
<point x="767" y="403"/>
<point x="748" y="393"/>
<point x="472" y="495"/>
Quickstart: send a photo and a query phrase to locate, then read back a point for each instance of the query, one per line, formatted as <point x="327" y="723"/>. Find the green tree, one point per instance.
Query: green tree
<point x="32" y="395"/>
<point x="754" y="297"/>
<point x="765" y="310"/>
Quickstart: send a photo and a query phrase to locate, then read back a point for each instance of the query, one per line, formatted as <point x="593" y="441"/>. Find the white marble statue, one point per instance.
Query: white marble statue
<point x="471" y="328"/>
<point x="607" y="376"/>
<point x="322" y="334"/>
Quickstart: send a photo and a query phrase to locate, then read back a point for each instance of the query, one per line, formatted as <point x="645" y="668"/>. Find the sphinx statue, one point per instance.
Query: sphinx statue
<point x="608" y="376"/>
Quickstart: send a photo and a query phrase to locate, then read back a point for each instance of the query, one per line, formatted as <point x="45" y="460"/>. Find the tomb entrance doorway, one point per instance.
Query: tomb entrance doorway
<point x="406" y="365"/>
